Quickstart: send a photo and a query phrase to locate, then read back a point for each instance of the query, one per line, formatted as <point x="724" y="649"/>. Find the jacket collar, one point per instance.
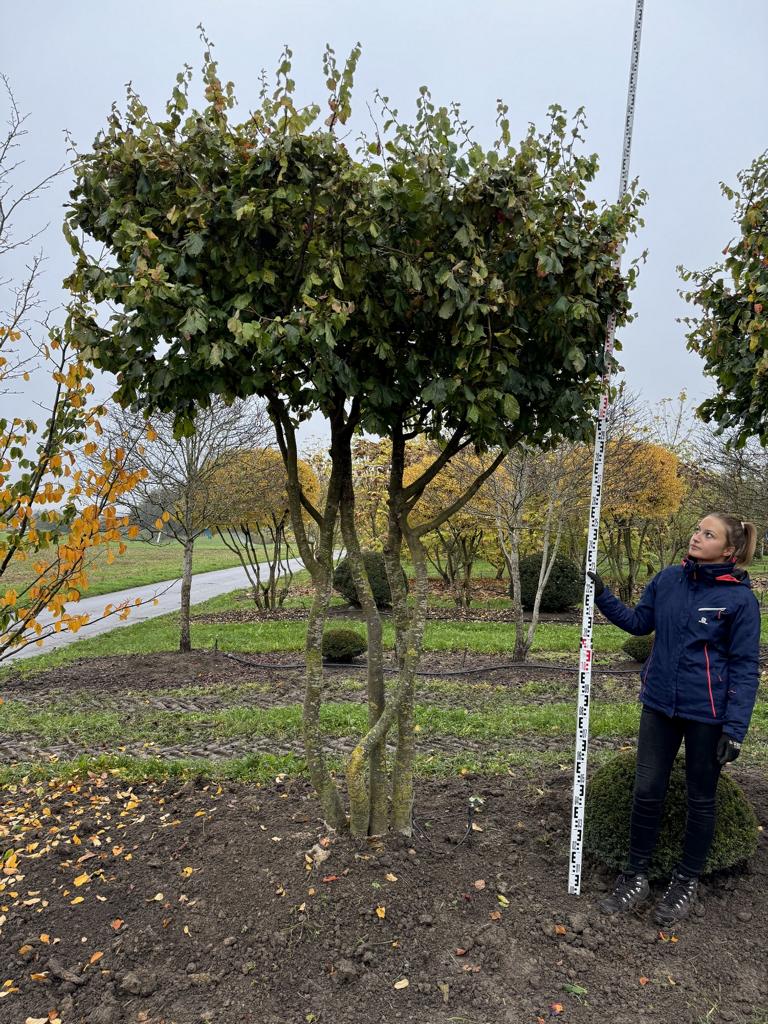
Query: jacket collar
<point x="723" y="572"/>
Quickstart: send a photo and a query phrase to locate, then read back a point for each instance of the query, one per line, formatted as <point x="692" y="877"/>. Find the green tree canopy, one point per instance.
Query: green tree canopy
<point x="731" y="332"/>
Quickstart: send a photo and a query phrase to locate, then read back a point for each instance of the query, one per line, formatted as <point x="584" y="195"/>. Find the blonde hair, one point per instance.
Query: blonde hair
<point x="740" y="535"/>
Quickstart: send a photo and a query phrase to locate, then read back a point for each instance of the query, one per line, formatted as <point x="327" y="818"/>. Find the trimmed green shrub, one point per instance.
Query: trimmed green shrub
<point x="608" y="807"/>
<point x="377" y="574"/>
<point x="564" y="589"/>
<point x="342" y="645"/>
<point x="639" y="647"/>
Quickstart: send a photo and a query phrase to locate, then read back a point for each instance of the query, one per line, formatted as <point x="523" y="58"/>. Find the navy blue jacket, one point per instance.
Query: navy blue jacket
<point x="704" y="661"/>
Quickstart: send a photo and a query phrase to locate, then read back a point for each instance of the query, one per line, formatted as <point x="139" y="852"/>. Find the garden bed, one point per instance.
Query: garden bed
<point x="162" y="903"/>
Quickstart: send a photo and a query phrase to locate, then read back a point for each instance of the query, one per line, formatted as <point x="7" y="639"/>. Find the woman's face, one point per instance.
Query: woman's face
<point x="709" y="542"/>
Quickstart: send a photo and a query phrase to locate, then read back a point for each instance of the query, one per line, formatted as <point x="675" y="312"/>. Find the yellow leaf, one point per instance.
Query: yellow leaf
<point x="186" y="872"/>
<point x="390" y="877"/>
<point x="45" y="938"/>
<point x="403" y="983"/>
<point x="26" y="948"/>
<point x="503" y="901"/>
<point x="82" y="879"/>
<point x="95" y="957"/>
<point x="381" y="913"/>
<point x="76" y="900"/>
<point x="39" y="976"/>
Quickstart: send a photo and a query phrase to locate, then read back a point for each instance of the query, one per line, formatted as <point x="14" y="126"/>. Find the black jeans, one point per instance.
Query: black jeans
<point x="657" y="745"/>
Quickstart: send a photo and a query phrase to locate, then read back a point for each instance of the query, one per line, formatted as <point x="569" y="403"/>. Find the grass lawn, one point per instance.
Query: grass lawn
<point x="142" y="563"/>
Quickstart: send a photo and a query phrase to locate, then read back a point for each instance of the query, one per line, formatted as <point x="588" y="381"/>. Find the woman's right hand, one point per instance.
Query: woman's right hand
<point x="599" y="585"/>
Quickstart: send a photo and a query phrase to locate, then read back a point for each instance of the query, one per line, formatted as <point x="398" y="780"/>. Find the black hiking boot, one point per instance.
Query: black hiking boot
<point x="677" y="901"/>
<point x="630" y="891"/>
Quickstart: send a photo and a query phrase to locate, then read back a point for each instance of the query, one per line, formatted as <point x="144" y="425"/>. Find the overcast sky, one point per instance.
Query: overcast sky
<point x="700" y="113"/>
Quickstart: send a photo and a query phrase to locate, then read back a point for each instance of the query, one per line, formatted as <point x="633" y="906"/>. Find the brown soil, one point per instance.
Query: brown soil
<point x="158" y="904"/>
<point x="203" y="905"/>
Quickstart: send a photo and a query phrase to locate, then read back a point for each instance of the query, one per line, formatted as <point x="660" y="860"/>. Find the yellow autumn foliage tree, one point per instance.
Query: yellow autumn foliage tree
<point x="250" y="511"/>
<point x="643" y="484"/>
<point x="57" y="512"/>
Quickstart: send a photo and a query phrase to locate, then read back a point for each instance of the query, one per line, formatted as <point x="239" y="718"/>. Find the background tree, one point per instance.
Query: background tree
<point x="424" y="286"/>
<point x="179" y="485"/>
<point x="731" y="331"/>
<point x="642" y="485"/>
<point x="533" y="494"/>
<point x="55" y="516"/>
<point x="250" y="511"/>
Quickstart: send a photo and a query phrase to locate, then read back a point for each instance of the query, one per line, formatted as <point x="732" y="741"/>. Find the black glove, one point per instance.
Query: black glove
<point x="727" y="749"/>
<point x="599" y="585"/>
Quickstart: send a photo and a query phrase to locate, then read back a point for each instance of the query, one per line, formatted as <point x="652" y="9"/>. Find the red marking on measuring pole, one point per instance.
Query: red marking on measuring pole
<point x="601" y="433"/>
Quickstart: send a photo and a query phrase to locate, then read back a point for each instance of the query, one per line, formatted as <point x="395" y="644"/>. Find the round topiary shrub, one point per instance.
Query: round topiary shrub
<point x="342" y="645"/>
<point x="639" y="647"/>
<point x="608" y="807"/>
<point x="564" y="589"/>
<point x="377" y="574"/>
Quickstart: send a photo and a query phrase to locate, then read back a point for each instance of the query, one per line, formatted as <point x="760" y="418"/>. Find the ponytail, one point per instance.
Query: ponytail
<point x="741" y="536"/>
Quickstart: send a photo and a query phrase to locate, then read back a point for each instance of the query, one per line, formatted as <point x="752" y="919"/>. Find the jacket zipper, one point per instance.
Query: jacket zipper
<point x="709" y="682"/>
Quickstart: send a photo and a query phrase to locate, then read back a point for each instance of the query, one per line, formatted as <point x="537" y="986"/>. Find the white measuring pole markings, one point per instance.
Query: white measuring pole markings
<point x="601" y="436"/>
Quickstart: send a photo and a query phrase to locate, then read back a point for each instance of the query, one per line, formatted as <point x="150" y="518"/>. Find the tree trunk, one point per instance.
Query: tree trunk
<point x="185" y="642"/>
<point x="367" y="805"/>
<point x="402" y="773"/>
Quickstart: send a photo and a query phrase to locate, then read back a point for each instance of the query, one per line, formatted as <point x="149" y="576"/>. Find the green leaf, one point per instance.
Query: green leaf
<point x="447" y="309"/>
<point x="337" y="279"/>
<point x="511" y="408"/>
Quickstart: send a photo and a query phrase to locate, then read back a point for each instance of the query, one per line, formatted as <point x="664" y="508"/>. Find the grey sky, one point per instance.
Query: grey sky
<point x="699" y="118"/>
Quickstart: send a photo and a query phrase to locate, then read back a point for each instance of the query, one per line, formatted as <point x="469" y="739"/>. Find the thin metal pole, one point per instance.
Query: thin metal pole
<point x="585" y="650"/>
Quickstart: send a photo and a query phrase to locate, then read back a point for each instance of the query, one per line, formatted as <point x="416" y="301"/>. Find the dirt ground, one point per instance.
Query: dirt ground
<point x="232" y="903"/>
<point x="194" y="903"/>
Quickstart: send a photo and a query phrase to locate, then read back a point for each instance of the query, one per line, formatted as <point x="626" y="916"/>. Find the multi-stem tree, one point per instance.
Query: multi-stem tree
<point x="423" y="286"/>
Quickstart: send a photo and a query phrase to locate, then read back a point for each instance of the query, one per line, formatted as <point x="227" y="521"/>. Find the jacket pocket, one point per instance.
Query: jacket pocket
<point x="709" y="681"/>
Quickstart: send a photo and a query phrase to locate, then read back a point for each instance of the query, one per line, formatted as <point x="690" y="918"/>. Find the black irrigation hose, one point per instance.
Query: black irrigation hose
<point x="443" y="674"/>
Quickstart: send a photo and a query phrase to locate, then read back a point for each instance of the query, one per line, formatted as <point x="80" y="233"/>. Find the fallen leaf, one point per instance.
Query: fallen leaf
<point x="186" y="872"/>
<point x="381" y="913"/>
<point x="403" y="983"/>
<point x="23" y="950"/>
<point x="471" y="968"/>
<point x="76" y="900"/>
<point x="503" y="901"/>
<point x="644" y="980"/>
<point x="186" y="930"/>
<point x="45" y="938"/>
<point x="495" y="915"/>
<point x="39" y="976"/>
<point x="302" y="907"/>
<point x="117" y="924"/>
<point x="82" y="879"/>
<point x="480" y="884"/>
<point x="555" y="1008"/>
<point x="331" y="878"/>
<point x="390" y="877"/>
<point x="459" y="951"/>
<point x="157" y="898"/>
<point x="445" y="989"/>
<point x="476" y="827"/>
<point x="95" y="957"/>
<point x="560" y="929"/>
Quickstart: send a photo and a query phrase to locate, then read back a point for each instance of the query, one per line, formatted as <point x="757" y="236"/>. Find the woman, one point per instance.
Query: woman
<point x="699" y="684"/>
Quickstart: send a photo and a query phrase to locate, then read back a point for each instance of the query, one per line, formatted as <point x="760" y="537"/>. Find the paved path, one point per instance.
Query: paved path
<point x="204" y="586"/>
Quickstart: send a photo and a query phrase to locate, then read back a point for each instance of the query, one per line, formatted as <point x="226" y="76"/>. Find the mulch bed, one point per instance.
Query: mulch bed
<point x="163" y="905"/>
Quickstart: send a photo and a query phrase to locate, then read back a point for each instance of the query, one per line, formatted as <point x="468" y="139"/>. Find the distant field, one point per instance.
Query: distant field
<point x="142" y="563"/>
